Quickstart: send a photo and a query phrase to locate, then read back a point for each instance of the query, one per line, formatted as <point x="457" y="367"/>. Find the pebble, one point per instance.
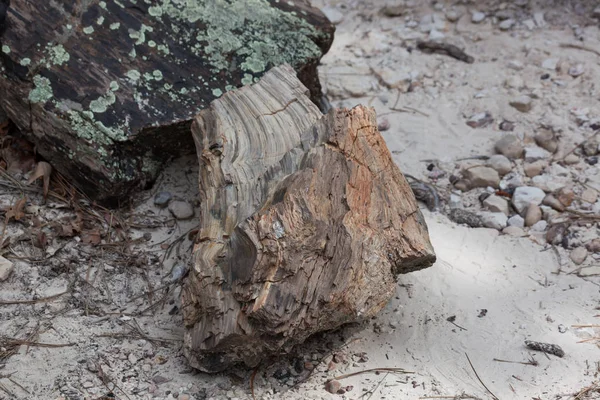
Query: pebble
<point x="539" y="226"/>
<point x="571" y="159"/>
<point x="578" y="255"/>
<point x="465" y="217"/>
<point x="480" y="120"/>
<point x="181" y="209"/>
<point x="556" y="234"/>
<point x="507" y="126"/>
<point x="525" y="195"/>
<point x="500" y="163"/>
<point x="550" y="64"/>
<point x="593" y="245"/>
<point x="494" y="220"/>
<point x="88" y="384"/>
<point x="576" y="70"/>
<point x="184" y="397"/>
<point x="517" y="221"/>
<point x="436" y="35"/>
<point x="333" y="14"/>
<point x="533" y="215"/>
<point x="6" y="268"/>
<point x="395" y="10"/>
<point x="549" y="213"/>
<point x="477" y="17"/>
<point x="590" y="146"/>
<point x="514" y="82"/>
<point x="497" y="204"/>
<point x="132" y="358"/>
<point x="162" y="199"/>
<point x="482" y="177"/>
<point x="463" y="185"/>
<point x="546" y="140"/>
<point x="589" y="196"/>
<point x="453" y="15"/>
<point x="535" y="168"/>
<point x="383" y="124"/>
<point x="516" y="65"/>
<point x="565" y="196"/>
<point x="333" y="386"/>
<point x="590" y="271"/>
<point x="455" y="201"/>
<point x="513" y="231"/>
<point x="509" y="146"/>
<point x="522" y="103"/>
<point x="535" y="153"/>
<point x="506" y="24"/>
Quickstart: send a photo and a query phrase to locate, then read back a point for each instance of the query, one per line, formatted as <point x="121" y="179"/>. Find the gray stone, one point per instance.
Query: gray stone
<point x="590" y="146"/>
<point x="513" y="231"/>
<point x="578" y="255"/>
<point x="162" y="199"/>
<point x="576" y="70"/>
<point x="535" y="153"/>
<point x="516" y="220"/>
<point x="525" y="195"/>
<point x="506" y="24"/>
<point x="496" y="204"/>
<point x="589" y="271"/>
<point x="6" y="268"/>
<point x="477" y="17"/>
<point x="500" y="163"/>
<point x="334" y="15"/>
<point x="589" y="195"/>
<point x="482" y="177"/>
<point x="549" y="183"/>
<point x="181" y="209"/>
<point x="436" y="35"/>
<point x="455" y="201"/>
<point x="480" y="120"/>
<point x="522" y="103"/>
<point x="553" y="202"/>
<point x="550" y="64"/>
<point x="545" y="139"/>
<point x="533" y="215"/>
<point x="539" y="226"/>
<point x="465" y="217"/>
<point x="453" y="15"/>
<point x="516" y="65"/>
<point x="509" y="146"/>
<point x="514" y="82"/>
<point x="572" y="159"/>
<point x="539" y="19"/>
<point x="593" y="245"/>
<point x="494" y="220"/>
<point x="394" y="10"/>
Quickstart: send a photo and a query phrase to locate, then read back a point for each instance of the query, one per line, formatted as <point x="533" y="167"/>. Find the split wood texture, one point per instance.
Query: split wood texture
<point x="305" y="223"/>
<point x="107" y="90"/>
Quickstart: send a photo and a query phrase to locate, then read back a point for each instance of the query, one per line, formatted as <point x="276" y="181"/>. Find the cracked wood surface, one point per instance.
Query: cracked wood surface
<point x="305" y="223"/>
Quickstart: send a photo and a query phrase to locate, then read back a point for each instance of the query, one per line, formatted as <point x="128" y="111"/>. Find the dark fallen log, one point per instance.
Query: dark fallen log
<point x="305" y="223"/>
<point x="107" y="90"/>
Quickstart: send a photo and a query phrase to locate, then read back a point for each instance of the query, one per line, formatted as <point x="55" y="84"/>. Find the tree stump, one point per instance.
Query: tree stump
<point x="305" y="223"/>
<point x="107" y="90"/>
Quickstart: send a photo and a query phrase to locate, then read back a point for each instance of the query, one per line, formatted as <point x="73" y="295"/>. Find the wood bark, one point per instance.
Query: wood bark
<point x="107" y="90"/>
<point x="305" y="223"/>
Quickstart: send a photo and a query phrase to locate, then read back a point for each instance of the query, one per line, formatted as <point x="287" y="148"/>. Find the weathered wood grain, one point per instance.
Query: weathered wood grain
<point x="305" y="223"/>
<point x="107" y="89"/>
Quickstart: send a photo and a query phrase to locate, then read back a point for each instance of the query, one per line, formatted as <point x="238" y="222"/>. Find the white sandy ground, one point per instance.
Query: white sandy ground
<point x="513" y="278"/>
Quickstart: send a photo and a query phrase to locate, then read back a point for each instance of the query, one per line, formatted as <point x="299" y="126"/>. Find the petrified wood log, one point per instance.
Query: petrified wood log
<point x="107" y="89"/>
<point x="305" y="223"/>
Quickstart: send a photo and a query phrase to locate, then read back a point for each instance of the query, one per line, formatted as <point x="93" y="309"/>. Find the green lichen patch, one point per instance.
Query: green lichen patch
<point x="25" y="62"/>
<point x="140" y="35"/>
<point x="88" y="30"/>
<point x="57" y="55"/>
<point x="114" y="26"/>
<point x="5" y="49"/>
<point x="42" y="92"/>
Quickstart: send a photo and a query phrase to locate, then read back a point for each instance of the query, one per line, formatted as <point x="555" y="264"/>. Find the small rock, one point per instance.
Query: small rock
<point x="393" y="10"/>
<point x="549" y="213"/>
<point x="591" y="160"/>
<point x="161" y="199"/>
<point x="593" y="246"/>
<point x="88" y="384"/>
<point x="576" y="70"/>
<point x="494" y="220"/>
<point x="539" y="226"/>
<point x="480" y="120"/>
<point x="506" y="24"/>
<point x="496" y="204"/>
<point x="525" y="195"/>
<point x="550" y="64"/>
<point x="333" y="386"/>
<point x="465" y="217"/>
<point x="477" y="17"/>
<point x="132" y="358"/>
<point x="146" y="368"/>
<point x="589" y="271"/>
<point x="535" y="153"/>
<point x="535" y="168"/>
<point x="383" y="124"/>
<point x="549" y="182"/>
<point x="184" y="397"/>
<point x="333" y="14"/>
<point x="181" y="209"/>
<point x="513" y="231"/>
<point x="556" y="234"/>
<point x="590" y="146"/>
<point x="546" y="140"/>
<point x="482" y="177"/>
<point x="539" y="19"/>
<point x="507" y="126"/>
<point x="500" y="163"/>
<point x="578" y="255"/>
<point x="562" y="328"/>
<point x="455" y="201"/>
<point x="571" y="159"/>
<point x="463" y="185"/>
<point x="159" y="379"/>
<point x="514" y="82"/>
<point x="522" y="103"/>
<point x="533" y="215"/>
<point x="453" y="15"/>
<point x="589" y="196"/>
<point x="565" y="196"/>
<point x="516" y="221"/>
<point x="509" y="146"/>
<point x="516" y="65"/>
<point x="434" y="34"/>
<point x="6" y="268"/>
